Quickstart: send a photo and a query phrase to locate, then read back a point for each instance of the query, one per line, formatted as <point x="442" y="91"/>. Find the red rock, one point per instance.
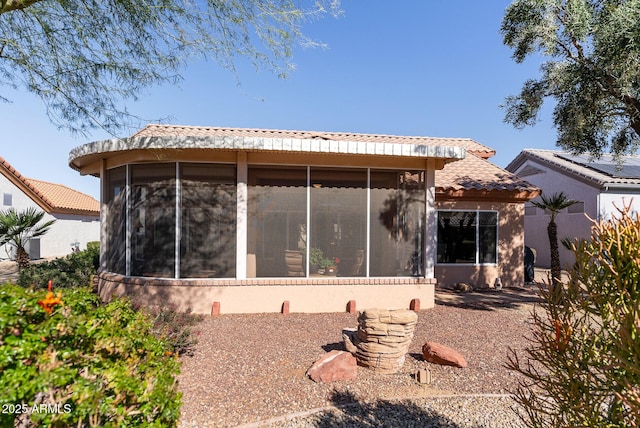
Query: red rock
<point x="333" y="366"/>
<point x="443" y="355"/>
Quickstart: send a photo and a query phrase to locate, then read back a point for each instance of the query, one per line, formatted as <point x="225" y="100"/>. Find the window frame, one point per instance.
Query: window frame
<point x="477" y="237"/>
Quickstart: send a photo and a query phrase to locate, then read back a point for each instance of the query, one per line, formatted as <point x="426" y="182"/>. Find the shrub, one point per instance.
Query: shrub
<point x="174" y="327"/>
<point x="89" y="364"/>
<point x="74" y="270"/>
<point x="582" y="367"/>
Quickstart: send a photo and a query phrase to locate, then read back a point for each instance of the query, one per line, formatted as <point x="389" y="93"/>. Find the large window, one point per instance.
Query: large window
<point x="350" y="231"/>
<point x="339" y="218"/>
<point x="397" y="223"/>
<point x="178" y="220"/>
<point x="153" y="220"/>
<point x="208" y="220"/>
<point x="202" y="233"/>
<point x="277" y="236"/>
<point x="116" y="223"/>
<point x="468" y="237"/>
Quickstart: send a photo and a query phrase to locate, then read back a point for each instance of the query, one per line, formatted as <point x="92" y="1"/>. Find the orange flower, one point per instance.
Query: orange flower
<point x="49" y="301"/>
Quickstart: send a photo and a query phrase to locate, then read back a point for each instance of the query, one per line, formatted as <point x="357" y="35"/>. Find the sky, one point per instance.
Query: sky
<point x="422" y="68"/>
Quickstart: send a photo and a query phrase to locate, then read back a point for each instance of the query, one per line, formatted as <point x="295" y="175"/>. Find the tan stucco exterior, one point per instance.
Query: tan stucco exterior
<point x="510" y="266"/>
<point x="270" y="295"/>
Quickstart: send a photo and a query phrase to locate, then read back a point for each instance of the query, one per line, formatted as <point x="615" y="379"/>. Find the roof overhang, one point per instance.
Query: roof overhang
<point x="486" y="195"/>
<point x="87" y="158"/>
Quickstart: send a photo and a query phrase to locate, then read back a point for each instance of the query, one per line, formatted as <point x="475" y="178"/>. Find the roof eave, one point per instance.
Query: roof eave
<point x="85" y="154"/>
<point x="557" y="166"/>
<point x="520" y="195"/>
<point x="73" y="211"/>
<point x="613" y="186"/>
<point x="517" y="162"/>
<point x="25" y="186"/>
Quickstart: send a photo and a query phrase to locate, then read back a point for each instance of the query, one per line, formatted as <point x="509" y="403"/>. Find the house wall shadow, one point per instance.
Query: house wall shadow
<point x="380" y="413"/>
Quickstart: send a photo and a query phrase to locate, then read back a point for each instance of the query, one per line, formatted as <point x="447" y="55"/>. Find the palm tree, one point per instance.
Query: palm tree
<point x="552" y="205"/>
<point x="17" y="228"/>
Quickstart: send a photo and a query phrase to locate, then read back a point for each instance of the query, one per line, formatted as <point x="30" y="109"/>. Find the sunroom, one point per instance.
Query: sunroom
<point x="244" y="220"/>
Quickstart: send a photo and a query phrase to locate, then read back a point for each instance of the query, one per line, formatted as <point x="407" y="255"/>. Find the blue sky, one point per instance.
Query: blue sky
<point x="429" y="68"/>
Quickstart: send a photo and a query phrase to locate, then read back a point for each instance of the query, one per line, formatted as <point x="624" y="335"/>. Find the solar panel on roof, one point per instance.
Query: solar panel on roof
<point x="629" y="167"/>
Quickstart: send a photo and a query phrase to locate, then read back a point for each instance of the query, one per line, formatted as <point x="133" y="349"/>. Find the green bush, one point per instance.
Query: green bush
<point x="583" y="365"/>
<point x="174" y="327"/>
<point x="74" y="270"/>
<point x="87" y="364"/>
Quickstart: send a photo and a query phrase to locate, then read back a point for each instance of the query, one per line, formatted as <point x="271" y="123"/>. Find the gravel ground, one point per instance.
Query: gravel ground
<point x="250" y="369"/>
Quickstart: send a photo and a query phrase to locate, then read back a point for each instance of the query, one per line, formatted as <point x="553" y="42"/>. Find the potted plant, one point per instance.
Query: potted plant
<point x="316" y="260"/>
<point x="332" y="266"/>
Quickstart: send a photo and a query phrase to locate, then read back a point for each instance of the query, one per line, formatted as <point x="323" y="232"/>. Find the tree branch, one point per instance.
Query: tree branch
<point x="11" y="5"/>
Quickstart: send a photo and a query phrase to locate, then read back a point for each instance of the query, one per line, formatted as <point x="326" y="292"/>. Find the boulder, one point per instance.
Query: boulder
<point x="332" y="366"/>
<point x="443" y="355"/>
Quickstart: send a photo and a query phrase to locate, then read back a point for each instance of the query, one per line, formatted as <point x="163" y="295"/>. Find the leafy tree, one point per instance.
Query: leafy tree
<point x="592" y="71"/>
<point x="552" y="205"/>
<point x="18" y="227"/>
<point x="83" y="58"/>
<point x="582" y="367"/>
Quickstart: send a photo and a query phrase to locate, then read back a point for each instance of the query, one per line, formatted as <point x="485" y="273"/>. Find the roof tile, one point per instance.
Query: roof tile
<point x="154" y="130"/>
<point x="474" y="173"/>
<point x="63" y="197"/>
<point x="471" y="173"/>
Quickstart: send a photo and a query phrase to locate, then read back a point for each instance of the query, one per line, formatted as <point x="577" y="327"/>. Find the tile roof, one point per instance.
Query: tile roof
<point x="471" y="172"/>
<point x="154" y="130"/>
<point x="53" y="198"/>
<point x="553" y="158"/>
<point x="475" y="173"/>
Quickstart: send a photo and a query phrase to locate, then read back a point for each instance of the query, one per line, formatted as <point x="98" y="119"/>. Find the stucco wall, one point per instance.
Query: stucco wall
<point x="269" y="295"/>
<point x="66" y="230"/>
<point x="510" y="266"/>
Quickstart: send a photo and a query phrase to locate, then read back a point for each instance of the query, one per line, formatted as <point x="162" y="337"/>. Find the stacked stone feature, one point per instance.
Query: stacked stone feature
<point x="384" y="337"/>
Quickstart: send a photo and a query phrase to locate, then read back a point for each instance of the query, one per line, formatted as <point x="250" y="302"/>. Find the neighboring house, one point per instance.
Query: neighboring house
<point x="599" y="185"/>
<point x="77" y="215"/>
<point x="220" y="219"/>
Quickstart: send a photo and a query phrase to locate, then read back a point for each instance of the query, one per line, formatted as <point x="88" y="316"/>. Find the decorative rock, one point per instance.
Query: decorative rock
<point x="443" y="355"/>
<point x="384" y="337"/>
<point x="333" y="366"/>
<point x="463" y="287"/>
<point x="350" y="337"/>
<point x="424" y="376"/>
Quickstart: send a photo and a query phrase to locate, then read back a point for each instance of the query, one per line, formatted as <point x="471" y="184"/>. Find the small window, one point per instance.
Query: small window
<point x="467" y="237"/>
<point x="577" y="208"/>
<point x="7" y="199"/>
<point x="530" y="210"/>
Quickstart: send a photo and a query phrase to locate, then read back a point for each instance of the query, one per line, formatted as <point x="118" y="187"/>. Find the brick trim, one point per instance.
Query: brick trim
<point x="112" y="278"/>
